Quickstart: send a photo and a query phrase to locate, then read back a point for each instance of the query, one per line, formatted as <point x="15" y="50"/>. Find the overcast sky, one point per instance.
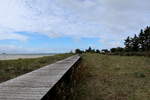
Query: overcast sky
<point x="63" y="25"/>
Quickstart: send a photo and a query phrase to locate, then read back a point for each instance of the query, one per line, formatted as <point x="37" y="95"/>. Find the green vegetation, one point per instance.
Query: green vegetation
<point x="89" y="50"/>
<point x="107" y="77"/>
<point x="12" y="68"/>
<point x="139" y="45"/>
<point x="140" y="42"/>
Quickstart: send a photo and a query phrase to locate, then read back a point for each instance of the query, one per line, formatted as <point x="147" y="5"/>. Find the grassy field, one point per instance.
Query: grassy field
<point x="113" y="78"/>
<point x="12" y="68"/>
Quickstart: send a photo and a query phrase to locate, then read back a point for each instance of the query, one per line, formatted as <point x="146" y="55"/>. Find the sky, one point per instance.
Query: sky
<point x="57" y="26"/>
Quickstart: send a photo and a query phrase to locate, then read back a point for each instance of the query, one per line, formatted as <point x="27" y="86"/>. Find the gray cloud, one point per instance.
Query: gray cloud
<point x="104" y="19"/>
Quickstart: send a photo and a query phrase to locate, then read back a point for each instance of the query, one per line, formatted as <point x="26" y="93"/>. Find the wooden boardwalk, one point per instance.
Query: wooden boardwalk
<point x="36" y="84"/>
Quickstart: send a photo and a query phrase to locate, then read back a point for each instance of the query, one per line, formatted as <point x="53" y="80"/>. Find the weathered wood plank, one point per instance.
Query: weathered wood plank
<point x="36" y="84"/>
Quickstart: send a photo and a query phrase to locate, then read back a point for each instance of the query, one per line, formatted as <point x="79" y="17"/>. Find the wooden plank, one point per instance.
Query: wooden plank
<point x="36" y="84"/>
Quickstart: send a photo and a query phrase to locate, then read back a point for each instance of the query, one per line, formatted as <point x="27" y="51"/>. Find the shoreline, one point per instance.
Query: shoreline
<point x="22" y="56"/>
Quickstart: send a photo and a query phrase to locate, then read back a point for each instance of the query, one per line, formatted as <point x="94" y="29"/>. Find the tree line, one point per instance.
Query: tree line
<point x="89" y="50"/>
<point x="138" y="44"/>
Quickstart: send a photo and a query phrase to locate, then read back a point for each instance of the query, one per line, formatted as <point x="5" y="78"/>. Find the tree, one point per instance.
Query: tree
<point x="135" y="43"/>
<point x="105" y="50"/>
<point x="89" y="49"/>
<point x="78" y="51"/>
<point x="128" y="44"/>
<point x="97" y="51"/>
<point x="141" y="41"/>
<point x="118" y="49"/>
<point x="147" y="39"/>
<point x="113" y="50"/>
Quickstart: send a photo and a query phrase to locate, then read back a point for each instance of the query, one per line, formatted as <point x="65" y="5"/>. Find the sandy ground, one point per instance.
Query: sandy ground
<point x="17" y="56"/>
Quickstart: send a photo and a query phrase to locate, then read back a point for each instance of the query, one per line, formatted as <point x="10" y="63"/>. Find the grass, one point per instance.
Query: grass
<point x="12" y="68"/>
<point x="103" y="77"/>
<point x="113" y="78"/>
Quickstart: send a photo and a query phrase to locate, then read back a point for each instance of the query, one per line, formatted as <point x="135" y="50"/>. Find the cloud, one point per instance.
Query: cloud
<point x="9" y="35"/>
<point x="104" y="19"/>
<point x="9" y="48"/>
<point x="21" y="49"/>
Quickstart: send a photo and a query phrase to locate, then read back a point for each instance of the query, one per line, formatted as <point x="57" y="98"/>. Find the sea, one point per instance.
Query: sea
<point x="18" y="56"/>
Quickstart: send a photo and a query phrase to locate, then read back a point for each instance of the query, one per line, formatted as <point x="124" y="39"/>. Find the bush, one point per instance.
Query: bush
<point x="78" y="51"/>
<point x="146" y="54"/>
<point x="139" y="75"/>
